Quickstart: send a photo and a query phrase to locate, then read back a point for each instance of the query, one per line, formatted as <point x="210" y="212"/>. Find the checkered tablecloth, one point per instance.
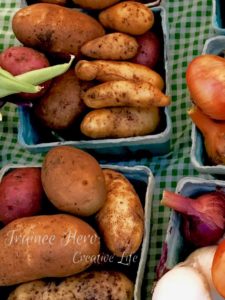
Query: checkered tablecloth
<point x="189" y="24"/>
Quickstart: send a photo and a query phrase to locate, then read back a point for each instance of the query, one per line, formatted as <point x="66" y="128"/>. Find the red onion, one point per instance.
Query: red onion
<point x="203" y="217"/>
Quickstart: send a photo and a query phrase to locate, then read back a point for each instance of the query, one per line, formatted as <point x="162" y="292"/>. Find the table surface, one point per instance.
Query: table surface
<point x="189" y="26"/>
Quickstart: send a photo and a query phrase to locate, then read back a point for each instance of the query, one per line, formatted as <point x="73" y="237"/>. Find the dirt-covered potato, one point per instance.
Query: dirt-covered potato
<point x="105" y="70"/>
<point x="18" y="60"/>
<point x="121" y="220"/>
<point x="125" y="93"/>
<point x="99" y="285"/>
<point x="120" y="122"/>
<point x="45" y="246"/>
<point x="61" y="106"/>
<point x="149" y="50"/>
<point x="21" y="194"/>
<point x="54" y="28"/>
<point x="112" y="46"/>
<point x="29" y="290"/>
<point x="129" y="17"/>
<point x="73" y="181"/>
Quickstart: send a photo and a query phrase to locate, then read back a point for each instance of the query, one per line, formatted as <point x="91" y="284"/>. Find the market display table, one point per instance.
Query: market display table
<point x="189" y="26"/>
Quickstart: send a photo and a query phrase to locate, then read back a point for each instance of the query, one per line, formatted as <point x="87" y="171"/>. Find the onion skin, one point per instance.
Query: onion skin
<point x="205" y="78"/>
<point x="204" y="217"/>
<point x="218" y="269"/>
<point x="214" y="135"/>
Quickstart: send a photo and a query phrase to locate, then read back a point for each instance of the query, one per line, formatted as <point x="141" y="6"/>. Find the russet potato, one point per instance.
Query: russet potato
<point x="121" y="220"/>
<point x="54" y="28"/>
<point x="73" y="181"/>
<point x="45" y="246"/>
<point x="99" y="285"/>
<point x="61" y="106"/>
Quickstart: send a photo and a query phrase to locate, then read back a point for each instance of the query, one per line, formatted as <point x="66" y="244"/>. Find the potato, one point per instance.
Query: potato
<point x="104" y="70"/>
<point x="149" y="50"/>
<point x="112" y="46"/>
<point x="21" y="194"/>
<point x="53" y="28"/>
<point x="29" y="290"/>
<point x="125" y="93"/>
<point x="18" y="60"/>
<point x="121" y="220"/>
<point x="99" y="285"/>
<point x="45" y="246"/>
<point x="73" y="181"/>
<point x="95" y="4"/>
<point x="61" y="106"/>
<point x="129" y="17"/>
<point x="120" y="122"/>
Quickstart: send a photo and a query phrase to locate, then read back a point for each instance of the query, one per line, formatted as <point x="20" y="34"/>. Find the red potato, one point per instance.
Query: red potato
<point x="149" y="50"/>
<point x="18" y="60"/>
<point x="21" y="193"/>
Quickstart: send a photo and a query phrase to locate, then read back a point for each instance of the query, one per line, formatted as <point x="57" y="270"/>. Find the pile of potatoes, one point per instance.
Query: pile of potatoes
<point x="78" y="211"/>
<point x="108" y="93"/>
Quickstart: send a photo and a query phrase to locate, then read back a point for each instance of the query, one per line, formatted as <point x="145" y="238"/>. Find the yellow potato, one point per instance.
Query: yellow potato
<point x="120" y="122"/>
<point x="29" y="290"/>
<point x="129" y="17"/>
<point x="103" y="70"/>
<point x="45" y="246"/>
<point x="121" y="219"/>
<point x="99" y="285"/>
<point x="54" y="28"/>
<point x="73" y="181"/>
<point x="112" y="46"/>
<point x="125" y="93"/>
<point x="95" y="4"/>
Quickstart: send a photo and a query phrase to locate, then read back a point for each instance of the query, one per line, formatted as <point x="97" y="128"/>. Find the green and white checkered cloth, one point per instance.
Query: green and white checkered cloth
<point x="189" y="26"/>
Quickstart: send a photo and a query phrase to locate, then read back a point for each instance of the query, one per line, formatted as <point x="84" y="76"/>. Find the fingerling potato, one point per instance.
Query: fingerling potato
<point x="99" y="285"/>
<point x="121" y="219"/>
<point x="125" y="93"/>
<point x="95" y="4"/>
<point x="112" y="46"/>
<point x="54" y="28"/>
<point x="120" y="122"/>
<point x="45" y="246"/>
<point x="129" y="17"/>
<point x="103" y="70"/>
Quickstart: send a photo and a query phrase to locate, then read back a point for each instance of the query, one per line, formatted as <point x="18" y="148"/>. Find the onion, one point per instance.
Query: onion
<point x="182" y="282"/>
<point x="205" y="78"/>
<point x="203" y="218"/>
<point x="202" y="259"/>
<point x="214" y="135"/>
